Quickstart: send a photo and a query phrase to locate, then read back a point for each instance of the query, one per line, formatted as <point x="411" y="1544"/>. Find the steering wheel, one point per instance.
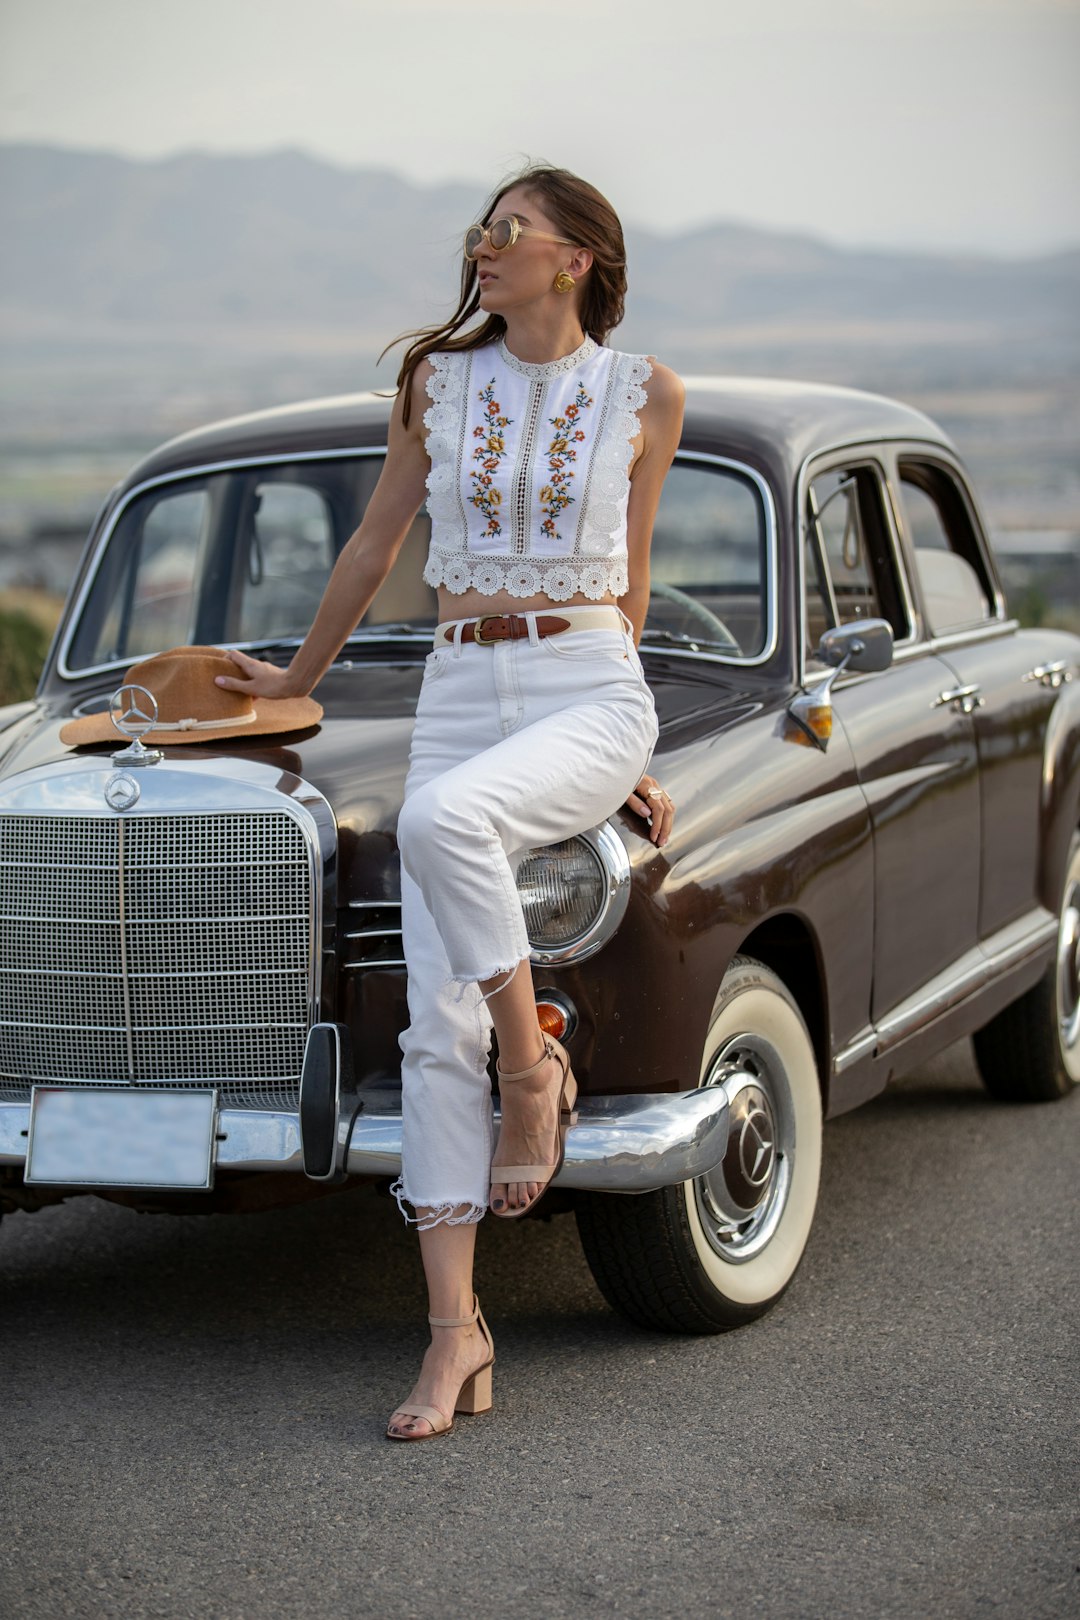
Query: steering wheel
<point x="712" y="628"/>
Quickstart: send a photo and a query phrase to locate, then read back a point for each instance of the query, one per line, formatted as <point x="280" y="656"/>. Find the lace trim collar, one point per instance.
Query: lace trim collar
<point x="547" y="370"/>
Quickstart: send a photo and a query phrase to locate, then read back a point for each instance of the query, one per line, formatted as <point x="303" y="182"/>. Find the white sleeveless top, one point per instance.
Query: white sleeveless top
<point x="528" y="487"/>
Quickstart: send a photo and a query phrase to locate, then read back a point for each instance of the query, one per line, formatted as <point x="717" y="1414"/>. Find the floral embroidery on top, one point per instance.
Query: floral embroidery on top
<point x="492" y="449"/>
<point x="555" y="495"/>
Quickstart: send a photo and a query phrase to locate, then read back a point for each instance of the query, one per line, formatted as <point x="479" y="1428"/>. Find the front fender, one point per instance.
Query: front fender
<point x="14" y="721"/>
<point x="766" y="829"/>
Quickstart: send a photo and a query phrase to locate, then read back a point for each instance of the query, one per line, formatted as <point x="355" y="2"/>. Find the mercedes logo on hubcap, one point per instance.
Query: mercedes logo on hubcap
<point x="133" y="711"/>
<point x="756" y="1148"/>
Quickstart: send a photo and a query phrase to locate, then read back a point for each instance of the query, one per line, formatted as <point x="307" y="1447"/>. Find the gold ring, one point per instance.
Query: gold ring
<point x="655" y="793"/>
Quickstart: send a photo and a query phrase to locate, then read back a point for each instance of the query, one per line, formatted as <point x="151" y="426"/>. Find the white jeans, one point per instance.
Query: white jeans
<point x="519" y="744"/>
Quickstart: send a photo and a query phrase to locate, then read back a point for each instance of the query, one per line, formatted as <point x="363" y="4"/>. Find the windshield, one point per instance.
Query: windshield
<point x="241" y="557"/>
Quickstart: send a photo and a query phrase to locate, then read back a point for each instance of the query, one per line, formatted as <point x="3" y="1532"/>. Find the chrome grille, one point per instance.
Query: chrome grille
<point x="156" y="950"/>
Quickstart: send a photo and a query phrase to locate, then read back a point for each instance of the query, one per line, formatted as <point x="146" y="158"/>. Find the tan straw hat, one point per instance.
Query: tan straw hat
<point x="190" y="707"/>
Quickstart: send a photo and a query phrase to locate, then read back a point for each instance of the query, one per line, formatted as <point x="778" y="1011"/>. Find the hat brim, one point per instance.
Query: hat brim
<point x="271" y="715"/>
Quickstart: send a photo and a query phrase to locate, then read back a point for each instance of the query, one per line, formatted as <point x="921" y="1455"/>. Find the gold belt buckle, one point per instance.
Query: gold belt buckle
<point x="478" y="628"/>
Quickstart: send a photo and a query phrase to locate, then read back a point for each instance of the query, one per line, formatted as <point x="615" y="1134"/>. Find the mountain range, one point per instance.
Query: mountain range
<point x="286" y="250"/>
<point x="141" y="298"/>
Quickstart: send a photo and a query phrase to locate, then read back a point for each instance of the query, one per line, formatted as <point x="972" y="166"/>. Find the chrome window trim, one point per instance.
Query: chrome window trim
<point x="992" y="630"/>
<point x="178" y="476"/>
<point x="764" y="489"/>
<point x="866" y="450"/>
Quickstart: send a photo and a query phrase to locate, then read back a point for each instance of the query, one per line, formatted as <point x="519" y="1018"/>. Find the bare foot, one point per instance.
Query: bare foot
<point x="528" y="1133"/>
<point x="451" y="1358"/>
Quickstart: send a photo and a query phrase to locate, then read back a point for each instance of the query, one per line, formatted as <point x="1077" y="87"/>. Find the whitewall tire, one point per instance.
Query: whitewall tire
<point x="720" y="1250"/>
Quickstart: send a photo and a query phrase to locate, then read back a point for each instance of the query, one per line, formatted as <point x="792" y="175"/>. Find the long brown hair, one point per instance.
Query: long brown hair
<point x="580" y="213"/>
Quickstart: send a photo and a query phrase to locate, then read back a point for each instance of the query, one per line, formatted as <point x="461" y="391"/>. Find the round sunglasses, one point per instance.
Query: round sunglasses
<point x="502" y="234"/>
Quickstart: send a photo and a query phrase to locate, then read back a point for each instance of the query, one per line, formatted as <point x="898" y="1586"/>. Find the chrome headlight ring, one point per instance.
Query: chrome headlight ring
<point x="605" y="910"/>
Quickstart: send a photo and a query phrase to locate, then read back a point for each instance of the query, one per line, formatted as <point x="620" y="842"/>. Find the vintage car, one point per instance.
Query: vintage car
<point x="878" y="780"/>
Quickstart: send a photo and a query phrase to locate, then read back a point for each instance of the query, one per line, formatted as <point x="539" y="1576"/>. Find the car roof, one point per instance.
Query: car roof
<point x="772" y="423"/>
<point x="779" y="423"/>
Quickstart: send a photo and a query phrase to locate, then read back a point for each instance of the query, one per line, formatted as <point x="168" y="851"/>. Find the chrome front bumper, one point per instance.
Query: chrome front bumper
<point x="627" y="1144"/>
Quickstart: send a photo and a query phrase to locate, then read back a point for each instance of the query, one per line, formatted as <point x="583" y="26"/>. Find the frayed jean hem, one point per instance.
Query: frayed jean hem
<point x="465" y="981"/>
<point x="437" y="1214"/>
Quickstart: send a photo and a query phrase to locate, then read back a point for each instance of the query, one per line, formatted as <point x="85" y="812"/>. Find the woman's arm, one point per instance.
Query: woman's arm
<point x="364" y="563"/>
<point x="661" y="424"/>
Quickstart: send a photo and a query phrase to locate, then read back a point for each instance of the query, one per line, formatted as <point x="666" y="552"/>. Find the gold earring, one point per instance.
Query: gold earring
<point x="564" y="282"/>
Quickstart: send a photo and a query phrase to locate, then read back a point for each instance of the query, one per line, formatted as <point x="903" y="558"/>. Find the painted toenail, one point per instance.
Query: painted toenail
<point x="498" y="1204"/>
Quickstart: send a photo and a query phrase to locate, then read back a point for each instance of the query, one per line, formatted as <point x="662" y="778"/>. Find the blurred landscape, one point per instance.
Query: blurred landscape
<point x="140" y="299"/>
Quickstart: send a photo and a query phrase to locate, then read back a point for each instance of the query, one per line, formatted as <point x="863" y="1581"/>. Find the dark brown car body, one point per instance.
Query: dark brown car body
<point x="902" y="880"/>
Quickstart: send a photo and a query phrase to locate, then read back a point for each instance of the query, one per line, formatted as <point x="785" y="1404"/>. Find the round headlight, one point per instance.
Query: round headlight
<point x="573" y="894"/>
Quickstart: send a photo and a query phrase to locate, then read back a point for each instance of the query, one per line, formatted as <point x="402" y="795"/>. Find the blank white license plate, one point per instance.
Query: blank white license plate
<point x="99" y="1138"/>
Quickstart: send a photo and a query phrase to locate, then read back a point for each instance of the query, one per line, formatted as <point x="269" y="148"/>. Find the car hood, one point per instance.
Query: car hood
<point x="357" y="756"/>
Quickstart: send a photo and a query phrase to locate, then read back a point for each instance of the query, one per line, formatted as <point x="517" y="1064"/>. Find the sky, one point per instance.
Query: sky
<point x="947" y="125"/>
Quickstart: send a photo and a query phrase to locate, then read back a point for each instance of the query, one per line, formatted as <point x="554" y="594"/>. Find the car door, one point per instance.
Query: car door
<point x="996" y="673"/>
<point x="915" y="757"/>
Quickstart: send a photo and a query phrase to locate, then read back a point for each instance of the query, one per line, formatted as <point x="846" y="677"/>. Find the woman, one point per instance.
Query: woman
<point x="541" y="454"/>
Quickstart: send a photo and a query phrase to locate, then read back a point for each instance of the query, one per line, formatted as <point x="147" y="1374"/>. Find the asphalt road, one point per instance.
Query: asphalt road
<point x="193" y="1408"/>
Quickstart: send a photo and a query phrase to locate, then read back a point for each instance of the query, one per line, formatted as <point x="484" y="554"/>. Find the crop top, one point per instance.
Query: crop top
<point x="529" y="484"/>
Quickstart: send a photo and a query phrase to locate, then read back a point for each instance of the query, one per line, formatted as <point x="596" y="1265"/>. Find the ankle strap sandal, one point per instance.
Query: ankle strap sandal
<point x="503" y="1174"/>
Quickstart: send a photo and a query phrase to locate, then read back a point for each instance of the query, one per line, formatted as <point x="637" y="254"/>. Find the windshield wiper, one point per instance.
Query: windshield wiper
<point x="675" y="638"/>
<point x="268" y="649"/>
<point x="371" y="632"/>
<point x="286" y="646"/>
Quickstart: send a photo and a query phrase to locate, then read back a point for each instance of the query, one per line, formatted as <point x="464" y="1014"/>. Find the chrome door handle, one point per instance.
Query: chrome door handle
<point x="966" y="698"/>
<point x="1051" y="675"/>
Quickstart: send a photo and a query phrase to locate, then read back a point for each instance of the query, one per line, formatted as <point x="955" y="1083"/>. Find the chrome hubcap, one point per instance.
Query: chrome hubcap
<point x="740" y="1203"/>
<point x="1068" y="970"/>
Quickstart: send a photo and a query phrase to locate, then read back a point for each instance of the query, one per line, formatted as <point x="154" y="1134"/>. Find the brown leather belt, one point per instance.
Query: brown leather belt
<point x="493" y="627"/>
<point x="510" y="627"/>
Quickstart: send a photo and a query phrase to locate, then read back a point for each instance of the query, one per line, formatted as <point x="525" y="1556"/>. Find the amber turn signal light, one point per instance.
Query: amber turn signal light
<point x="557" y="1016"/>
<point x="819" y="718"/>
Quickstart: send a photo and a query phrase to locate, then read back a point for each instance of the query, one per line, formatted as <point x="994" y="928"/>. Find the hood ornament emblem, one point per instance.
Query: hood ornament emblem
<point x="133" y="711"/>
<point x="121" y="791"/>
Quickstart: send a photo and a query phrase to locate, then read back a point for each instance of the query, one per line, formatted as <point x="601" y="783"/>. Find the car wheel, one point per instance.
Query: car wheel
<point x="718" y="1251"/>
<point x="1031" y="1051"/>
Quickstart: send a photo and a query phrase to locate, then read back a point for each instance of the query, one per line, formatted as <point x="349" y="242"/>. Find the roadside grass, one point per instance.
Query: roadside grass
<point x="27" y="620"/>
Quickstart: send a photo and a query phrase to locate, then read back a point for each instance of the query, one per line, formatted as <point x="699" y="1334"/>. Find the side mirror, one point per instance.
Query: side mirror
<point x="864" y="645"/>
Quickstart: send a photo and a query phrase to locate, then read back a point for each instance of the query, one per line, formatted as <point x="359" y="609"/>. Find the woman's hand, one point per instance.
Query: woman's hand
<point x="649" y="801"/>
<point x="260" y="679"/>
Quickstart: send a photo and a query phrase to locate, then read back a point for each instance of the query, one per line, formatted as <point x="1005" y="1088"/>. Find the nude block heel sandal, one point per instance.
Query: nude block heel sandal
<point x="475" y="1393"/>
<point x="544" y="1173"/>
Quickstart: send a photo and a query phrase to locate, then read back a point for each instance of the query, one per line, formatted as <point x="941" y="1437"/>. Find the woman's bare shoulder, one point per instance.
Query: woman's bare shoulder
<point x="665" y="396"/>
<point x="665" y="387"/>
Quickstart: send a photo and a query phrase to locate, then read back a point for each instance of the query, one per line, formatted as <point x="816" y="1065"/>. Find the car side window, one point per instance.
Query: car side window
<point x="709" y="561"/>
<point x="955" y="590"/>
<point x="850" y="570"/>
